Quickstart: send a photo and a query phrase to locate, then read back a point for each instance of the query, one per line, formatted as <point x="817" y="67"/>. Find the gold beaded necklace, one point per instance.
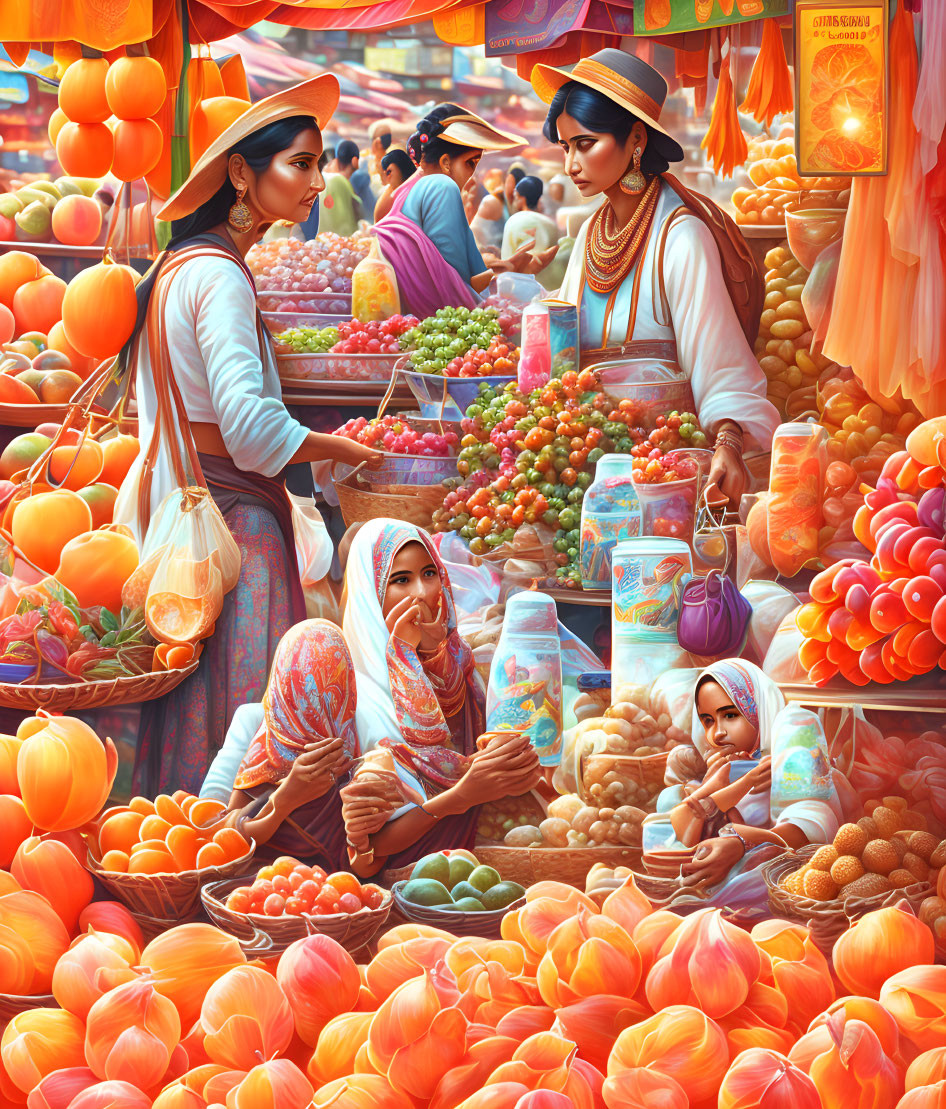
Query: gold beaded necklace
<point x="611" y="251"/>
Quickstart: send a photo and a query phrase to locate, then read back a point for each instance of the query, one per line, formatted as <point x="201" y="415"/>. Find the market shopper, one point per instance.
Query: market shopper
<point x="645" y="269"/>
<point x="340" y="208"/>
<point x="527" y="222"/>
<point x="263" y="168"/>
<point x="426" y="236"/>
<point x="396" y="168"/>
<point x="399" y="688"/>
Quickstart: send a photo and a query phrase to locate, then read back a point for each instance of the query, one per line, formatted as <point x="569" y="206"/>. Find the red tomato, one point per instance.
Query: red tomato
<point x="281" y="885"/>
<point x="274" y="905"/>
<point x="349" y="903"/>
<point x="240" y="900"/>
<point x="372" y="896"/>
<point x="327" y="900"/>
<point x="262" y="888"/>
<point x="308" y="892"/>
<point x="295" y="905"/>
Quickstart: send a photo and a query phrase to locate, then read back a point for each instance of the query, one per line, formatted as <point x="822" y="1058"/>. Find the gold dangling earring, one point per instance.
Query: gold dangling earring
<point x="240" y="217"/>
<point x="634" y="182"/>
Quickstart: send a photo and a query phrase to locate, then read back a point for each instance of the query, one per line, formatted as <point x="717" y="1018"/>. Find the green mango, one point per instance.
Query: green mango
<point x="426" y="891"/>
<point x="34" y="220"/>
<point x="435" y="866"/>
<point x="28" y="195"/>
<point x="470" y="905"/>
<point x="501" y="895"/>
<point x="69" y="186"/>
<point x="483" y="877"/>
<point x="10" y="204"/>
<point x="464" y="889"/>
<point x="460" y="869"/>
<point x="46" y="187"/>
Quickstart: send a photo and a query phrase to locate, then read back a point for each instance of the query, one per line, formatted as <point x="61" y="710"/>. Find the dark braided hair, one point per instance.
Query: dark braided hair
<point x="425" y="145"/>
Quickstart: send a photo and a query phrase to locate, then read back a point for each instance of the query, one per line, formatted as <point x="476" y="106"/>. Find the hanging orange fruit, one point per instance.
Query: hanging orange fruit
<point x="57" y="121"/>
<point x="66" y="773"/>
<point x="135" y="87"/>
<point x="100" y="308"/>
<point x="82" y="91"/>
<point x="85" y="149"/>
<point x="210" y="119"/>
<point x="138" y="146"/>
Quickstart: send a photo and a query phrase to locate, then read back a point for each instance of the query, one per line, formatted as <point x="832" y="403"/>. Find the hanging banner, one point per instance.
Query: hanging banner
<point x="614" y="19"/>
<point x="665" y="17"/>
<point x="521" y="26"/>
<point x="841" y="87"/>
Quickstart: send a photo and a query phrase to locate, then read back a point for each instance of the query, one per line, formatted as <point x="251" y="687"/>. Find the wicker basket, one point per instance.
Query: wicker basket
<point x="92" y="695"/>
<point x="646" y="772"/>
<point x="414" y="504"/>
<point x="11" y="1004"/>
<point x="168" y="898"/>
<point x="352" y="930"/>
<point x="486" y="924"/>
<point x="528" y="865"/>
<point x="828" y="919"/>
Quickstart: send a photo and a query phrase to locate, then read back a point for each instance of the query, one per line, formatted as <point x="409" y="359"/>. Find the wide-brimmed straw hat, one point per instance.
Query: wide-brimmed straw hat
<point x="317" y="97"/>
<point x="468" y="129"/>
<point x="623" y="78"/>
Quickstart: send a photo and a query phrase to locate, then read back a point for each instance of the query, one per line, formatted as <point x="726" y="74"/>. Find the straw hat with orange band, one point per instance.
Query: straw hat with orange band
<point x="623" y="78"/>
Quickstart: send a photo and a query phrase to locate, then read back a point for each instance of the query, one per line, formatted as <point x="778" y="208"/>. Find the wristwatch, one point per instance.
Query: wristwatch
<point x="729" y="832"/>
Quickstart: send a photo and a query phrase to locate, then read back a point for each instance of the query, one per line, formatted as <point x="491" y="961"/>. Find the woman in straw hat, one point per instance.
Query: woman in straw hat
<point x="426" y="236"/>
<point x="646" y="268"/>
<point x="200" y="299"/>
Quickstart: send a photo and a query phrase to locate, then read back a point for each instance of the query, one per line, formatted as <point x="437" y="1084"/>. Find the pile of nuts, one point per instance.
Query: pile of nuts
<point x="886" y="850"/>
<point x="573" y="823"/>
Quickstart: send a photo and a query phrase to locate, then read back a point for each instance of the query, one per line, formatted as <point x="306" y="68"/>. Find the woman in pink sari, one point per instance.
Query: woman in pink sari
<point x="426" y="236"/>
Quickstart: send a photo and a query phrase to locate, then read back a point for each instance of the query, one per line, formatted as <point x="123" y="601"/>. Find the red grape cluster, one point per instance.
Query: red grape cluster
<point x="396" y="436"/>
<point x="374" y="337"/>
<point x="499" y="358"/>
<point x="658" y="467"/>
<point x="676" y="429"/>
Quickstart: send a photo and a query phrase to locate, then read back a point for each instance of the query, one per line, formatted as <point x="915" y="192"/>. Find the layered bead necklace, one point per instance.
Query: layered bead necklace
<point x="611" y="251"/>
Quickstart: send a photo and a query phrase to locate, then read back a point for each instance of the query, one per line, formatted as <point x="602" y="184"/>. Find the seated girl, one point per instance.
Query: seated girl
<point x="728" y="812"/>
<point x="399" y="682"/>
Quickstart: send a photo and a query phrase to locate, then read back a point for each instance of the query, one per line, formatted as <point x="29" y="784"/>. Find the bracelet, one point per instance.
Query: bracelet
<point x="356" y="852"/>
<point x="729" y="832"/>
<point x="727" y="437"/>
<point x="433" y="816"/>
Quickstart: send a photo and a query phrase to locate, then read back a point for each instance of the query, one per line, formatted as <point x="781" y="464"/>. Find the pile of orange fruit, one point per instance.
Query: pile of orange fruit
<point x="166" y="836"/>
<point x="289" y="886"/>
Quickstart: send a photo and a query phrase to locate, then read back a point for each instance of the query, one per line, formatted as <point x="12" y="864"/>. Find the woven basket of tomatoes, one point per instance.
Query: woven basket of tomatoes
<point x="288" y="900"/>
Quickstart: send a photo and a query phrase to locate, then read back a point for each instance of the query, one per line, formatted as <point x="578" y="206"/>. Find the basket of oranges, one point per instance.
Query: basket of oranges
<point x="288" y="900"/>
<point x="154" y="856"/>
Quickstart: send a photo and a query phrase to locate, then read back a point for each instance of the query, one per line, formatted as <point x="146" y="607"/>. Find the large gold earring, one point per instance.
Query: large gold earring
<point x="240" y="217"/>
<point x="634" y="182"/>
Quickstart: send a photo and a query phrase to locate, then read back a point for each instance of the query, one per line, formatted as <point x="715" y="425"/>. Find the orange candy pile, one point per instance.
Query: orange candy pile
<point x="288" y="886"/>
<point x="168" y="835"/>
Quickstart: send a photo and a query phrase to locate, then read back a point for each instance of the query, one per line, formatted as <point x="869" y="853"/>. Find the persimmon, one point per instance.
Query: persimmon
<point x="151" y="862"/>
<point x="101" y="500"/>
<point x="135" y="87"/>
<point x="15" y="391"/>
<point x="116" y="861"/>
<point x="100" y="308"/>
<point x="82" y="95"/>
<point x="85" y="149"/>
<point x="138" y="146"/>
<point x="74" y="467"/>
<point x="96" y="564"/>
<point x="120" y="832"/>
<point x="17" y="267"/>
<point x="44" y="523"/>
<point x="77" y="220"/>
<point x="57" y="121"/>
<point x="37" y="305"/>
<point x="154" y="843"/>
<point x="118" y="453"/>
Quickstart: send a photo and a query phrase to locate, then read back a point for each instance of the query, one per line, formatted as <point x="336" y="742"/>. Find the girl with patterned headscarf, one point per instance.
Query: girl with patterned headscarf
<point x="728" y="814"/>
<point x="395" y="693"/>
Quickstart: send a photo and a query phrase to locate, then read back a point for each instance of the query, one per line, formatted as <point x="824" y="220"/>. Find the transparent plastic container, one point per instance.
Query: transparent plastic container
<point x="668" y="508"/>
<point x="796" y="485"/>
<point x="535" y="360"/>
<point x="810" y="230"/>
<point x="647" y="577"/>
<point x="374" y="291"/>
<point x="800" y="767"/>
<point x="610" y="513"/>
<point x="563" y="335"/>
<point x="525" y="679"/>
<point x="658" y="386"/>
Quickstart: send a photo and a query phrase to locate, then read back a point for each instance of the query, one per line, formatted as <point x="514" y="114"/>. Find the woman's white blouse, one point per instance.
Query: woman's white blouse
<point x="224" y="379"/>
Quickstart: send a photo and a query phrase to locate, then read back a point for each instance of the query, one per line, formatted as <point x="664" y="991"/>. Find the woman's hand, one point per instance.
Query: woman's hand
<point x="315" y="771"/>
<point x="712" y="862"/>
<point x="541" y="260"/>
<point x="433" y="626"/>
<point x="761" y="775"/>
<point x="404" y="621"/>
<point x="506" y="767"/>
<point x="515" y="263"/>
<point x="366" y="805"/>
<point x="354" y="454"/>
<point x="728" y="477"/>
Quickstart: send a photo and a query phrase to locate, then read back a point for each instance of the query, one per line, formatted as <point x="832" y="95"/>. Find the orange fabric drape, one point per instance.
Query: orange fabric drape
<point x="770" y="91"/>
<point x="101" y="24"/>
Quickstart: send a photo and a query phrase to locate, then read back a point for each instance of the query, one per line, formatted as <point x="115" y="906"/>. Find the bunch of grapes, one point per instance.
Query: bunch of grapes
<point x="658" y="467"/>
<point x="510" y="314"/>
<point x="396" y="436"/>
<point x="308" y="340"/>
<point x="499" y="358"/>
<point x="374" y="337"/>
<point x="450" y="334"/>
<point x="320" y="265"/>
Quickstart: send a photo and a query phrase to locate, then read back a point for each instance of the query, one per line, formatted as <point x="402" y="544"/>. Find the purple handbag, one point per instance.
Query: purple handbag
<point x="714" y="617"/>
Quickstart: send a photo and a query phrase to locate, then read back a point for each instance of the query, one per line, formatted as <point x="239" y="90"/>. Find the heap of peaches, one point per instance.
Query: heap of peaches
<point x="168" y="835"/>
<point x="289" y="886"/>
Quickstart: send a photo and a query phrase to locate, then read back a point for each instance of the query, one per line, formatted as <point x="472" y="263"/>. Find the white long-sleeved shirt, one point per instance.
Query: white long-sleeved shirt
<point x="224" y="379"/>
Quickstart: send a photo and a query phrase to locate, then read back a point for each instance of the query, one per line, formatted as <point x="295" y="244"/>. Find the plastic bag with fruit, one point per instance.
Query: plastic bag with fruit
<point x="771" y="603"/>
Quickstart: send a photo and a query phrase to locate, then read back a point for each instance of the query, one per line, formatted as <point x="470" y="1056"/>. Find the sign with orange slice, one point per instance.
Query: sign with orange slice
<point x="841" y="95"/>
